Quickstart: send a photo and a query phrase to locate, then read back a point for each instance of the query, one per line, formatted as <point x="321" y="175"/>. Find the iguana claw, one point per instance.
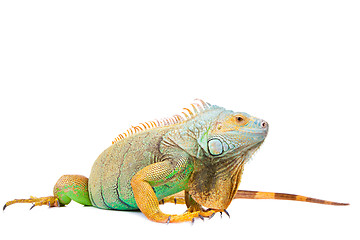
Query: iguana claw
<point x="227" y="213"/>
<point x="32" y="206"/>
<point x="210" y="217"/>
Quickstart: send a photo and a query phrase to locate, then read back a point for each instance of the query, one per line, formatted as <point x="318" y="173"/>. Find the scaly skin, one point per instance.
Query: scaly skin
<point x="202" y="154"/>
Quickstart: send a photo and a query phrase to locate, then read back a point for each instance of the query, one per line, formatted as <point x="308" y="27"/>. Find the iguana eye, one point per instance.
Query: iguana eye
<point x="239" y="119"/>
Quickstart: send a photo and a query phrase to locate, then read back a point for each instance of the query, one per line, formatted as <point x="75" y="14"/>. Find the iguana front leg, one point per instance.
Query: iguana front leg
<point x="154" y="174"/>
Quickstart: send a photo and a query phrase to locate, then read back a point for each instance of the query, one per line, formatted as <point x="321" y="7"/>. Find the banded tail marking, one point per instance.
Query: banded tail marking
<point x="282" y="196"/>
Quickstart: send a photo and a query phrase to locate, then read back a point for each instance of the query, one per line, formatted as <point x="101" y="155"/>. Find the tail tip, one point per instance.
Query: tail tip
<point x="342" y="204"/>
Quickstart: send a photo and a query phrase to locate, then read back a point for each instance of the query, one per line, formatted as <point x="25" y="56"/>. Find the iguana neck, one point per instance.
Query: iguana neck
<point x="214" y="180"/>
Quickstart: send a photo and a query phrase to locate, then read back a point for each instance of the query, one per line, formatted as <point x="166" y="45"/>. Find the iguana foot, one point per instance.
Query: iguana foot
<point x="51" y="201"/>
<point x="190" y="215"/>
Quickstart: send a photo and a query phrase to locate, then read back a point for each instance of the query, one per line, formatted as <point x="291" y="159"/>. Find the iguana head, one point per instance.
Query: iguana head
<point x="228" y="142"/>
<point x="232" y="134"/>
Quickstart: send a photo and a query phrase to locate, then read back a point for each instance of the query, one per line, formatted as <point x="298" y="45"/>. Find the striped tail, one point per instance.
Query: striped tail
<point x="282" y="196"/>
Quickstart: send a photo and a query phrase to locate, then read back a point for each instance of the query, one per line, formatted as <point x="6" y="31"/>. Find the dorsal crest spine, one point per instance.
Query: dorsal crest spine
<point x="195" y="108"/>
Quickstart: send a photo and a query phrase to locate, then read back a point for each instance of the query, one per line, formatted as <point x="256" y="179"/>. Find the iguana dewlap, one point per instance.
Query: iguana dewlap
<point x="201" y="152"/>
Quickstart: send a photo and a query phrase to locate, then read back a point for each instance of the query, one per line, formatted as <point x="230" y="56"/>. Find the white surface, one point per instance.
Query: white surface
<point x="75" y="73"/>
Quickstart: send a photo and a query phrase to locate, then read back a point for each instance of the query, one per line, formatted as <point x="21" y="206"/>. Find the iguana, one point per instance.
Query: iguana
<point x="199" y="154"/>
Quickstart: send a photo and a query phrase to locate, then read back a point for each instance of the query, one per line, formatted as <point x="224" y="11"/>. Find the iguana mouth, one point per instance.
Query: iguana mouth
<point x="263" y="132"/>
<point x="257" y="132"/>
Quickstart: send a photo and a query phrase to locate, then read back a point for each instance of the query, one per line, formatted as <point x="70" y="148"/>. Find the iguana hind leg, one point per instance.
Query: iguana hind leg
<point x="72" y="187"/>
<point x="67" y="188"/>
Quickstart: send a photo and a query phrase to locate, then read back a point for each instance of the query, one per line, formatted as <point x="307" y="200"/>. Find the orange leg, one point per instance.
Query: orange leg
<point x="146" y="199"/>
<point x="51" y="201"/>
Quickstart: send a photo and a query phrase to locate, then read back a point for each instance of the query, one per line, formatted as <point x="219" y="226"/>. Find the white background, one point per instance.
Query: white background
<point x="75" y="73"/>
